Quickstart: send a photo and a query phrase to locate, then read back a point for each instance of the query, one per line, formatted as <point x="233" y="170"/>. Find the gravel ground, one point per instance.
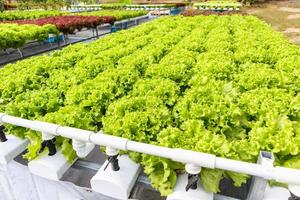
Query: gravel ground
<point x="284" y="16"/>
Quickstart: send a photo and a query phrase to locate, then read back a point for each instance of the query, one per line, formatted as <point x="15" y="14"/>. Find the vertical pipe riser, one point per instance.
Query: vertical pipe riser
<point x="259" y="184"/>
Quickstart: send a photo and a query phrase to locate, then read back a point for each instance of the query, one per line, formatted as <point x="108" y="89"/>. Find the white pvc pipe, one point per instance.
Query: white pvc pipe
<point x="111" y="151"/>
<point x="34" y="125"/>
<point x="109" y="141"/>
<point x="280" y="174"/>
<point x="74" y="133"/>
<point x="287" y="175"/>
<point x="179" y="155"/>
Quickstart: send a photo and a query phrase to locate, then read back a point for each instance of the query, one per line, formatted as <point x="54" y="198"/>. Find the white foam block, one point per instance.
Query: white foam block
<point x="116" y="184"/>
<point x="50" y="167"/>
<point x="179" y="192"/>
<point x="276" y="193"/>
<point x="11" y="148"/>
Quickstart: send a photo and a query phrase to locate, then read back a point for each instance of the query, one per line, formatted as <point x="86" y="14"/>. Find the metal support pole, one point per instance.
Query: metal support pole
<point x="66" y="37"/>
<point x="97" y="34"/>
<point x="6" y="51"/>
<point x="20" y="52"/>
<point x="58" y="42"/>
<point x="259" y="184"/>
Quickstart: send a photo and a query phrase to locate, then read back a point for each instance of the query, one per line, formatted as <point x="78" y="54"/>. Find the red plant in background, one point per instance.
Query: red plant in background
<point x="108" y="19"/>
<point x="68" y="24"/>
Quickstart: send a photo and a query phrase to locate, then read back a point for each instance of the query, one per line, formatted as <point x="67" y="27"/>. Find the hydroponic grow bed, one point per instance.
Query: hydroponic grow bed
<point x="224" y="85"/>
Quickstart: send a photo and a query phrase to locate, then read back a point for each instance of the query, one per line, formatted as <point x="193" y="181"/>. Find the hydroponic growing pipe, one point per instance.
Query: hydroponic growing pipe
<point x="280" y="174"/>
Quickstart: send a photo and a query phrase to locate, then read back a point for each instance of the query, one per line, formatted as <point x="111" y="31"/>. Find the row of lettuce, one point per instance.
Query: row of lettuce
<point x="68" y="24"/>
<point x="15" y="34"/>
<point x="17" y="15"/>
<point x="225" y="85"/>
<point x="36" y="14"/>
<point x="56" y="4"/>
<point x="93" y="6"/>
<point x="118" y="6"/>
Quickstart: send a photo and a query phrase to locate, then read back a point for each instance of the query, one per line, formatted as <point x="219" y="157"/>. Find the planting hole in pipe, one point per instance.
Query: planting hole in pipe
<point x="2" y="134"/>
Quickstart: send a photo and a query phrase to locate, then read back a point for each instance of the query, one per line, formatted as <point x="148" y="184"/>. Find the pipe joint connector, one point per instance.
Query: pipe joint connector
<point x="192" y="169"/>
<point x="111" y="151"/>
<point x="80" y="148"/>
<point x="47" y="136"/>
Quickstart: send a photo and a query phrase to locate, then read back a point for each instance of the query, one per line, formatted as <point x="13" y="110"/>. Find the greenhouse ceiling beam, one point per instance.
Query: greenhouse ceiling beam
<point x="280" y="174"/>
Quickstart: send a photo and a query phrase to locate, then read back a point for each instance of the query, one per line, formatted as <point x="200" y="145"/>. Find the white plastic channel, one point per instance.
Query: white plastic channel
<point x="280" y="174"/>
